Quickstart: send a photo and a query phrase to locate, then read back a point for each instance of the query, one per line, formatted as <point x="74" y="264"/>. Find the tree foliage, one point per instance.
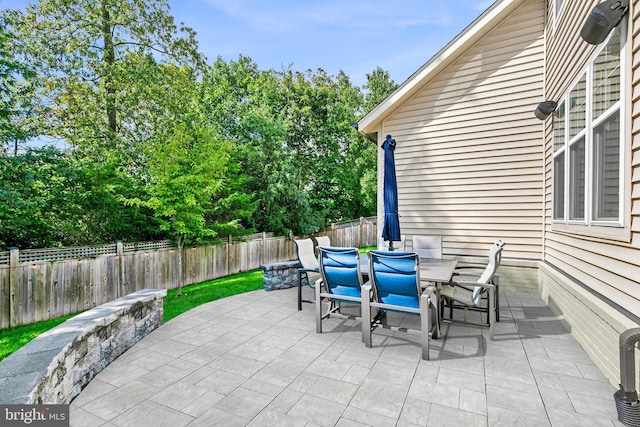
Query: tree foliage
<point x="15" y="79"/>
<point x="52" y="198"/>
<point x="187" y="160"/>
<point x="77" y="48"/>
<point x="163" y="144"/>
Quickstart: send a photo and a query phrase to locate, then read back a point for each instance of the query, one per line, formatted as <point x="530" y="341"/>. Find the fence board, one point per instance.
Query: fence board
<point x="34" y="289"/>
<point x="40" y="287"/>
<point x="5" y="307"/>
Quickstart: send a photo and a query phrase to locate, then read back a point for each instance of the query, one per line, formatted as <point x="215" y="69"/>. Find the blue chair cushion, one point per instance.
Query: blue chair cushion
<point x="342" y="272"/>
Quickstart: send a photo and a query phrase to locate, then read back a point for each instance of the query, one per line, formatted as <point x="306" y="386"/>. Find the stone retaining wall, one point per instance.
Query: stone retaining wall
<point x="54" y="367"/>
<point x="280" y="275"/>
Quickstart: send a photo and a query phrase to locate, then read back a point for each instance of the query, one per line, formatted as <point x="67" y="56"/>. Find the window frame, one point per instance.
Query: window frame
<point x="620" y="227"/>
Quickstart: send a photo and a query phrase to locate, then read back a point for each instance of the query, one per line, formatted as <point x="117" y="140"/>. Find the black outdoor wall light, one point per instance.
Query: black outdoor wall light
<point x="602" y="19"/>
<point x="545" y="108"/>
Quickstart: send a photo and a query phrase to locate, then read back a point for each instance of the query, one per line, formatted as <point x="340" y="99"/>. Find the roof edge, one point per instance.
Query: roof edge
<point x="445" y="56"/>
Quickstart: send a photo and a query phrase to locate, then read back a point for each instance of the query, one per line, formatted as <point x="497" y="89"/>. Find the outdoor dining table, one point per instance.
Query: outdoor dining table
<point x="438" y="270"/>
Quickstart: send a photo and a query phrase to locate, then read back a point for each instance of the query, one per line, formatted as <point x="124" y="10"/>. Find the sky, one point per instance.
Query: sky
<point x="354" y="36"/>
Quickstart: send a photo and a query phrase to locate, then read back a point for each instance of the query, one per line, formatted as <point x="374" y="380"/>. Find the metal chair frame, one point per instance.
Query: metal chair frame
<point x="340" y="272"/>
<point x="467" y="294"/>
<point x="382" y="267"/>
<point x="303" y="245"/>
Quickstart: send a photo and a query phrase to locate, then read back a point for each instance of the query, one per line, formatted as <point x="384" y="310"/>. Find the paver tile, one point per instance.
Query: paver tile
<point x="253" y="359"/>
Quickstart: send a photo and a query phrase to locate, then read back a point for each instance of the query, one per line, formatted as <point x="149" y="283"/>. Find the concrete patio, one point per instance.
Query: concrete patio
<point x="253" y="359"/>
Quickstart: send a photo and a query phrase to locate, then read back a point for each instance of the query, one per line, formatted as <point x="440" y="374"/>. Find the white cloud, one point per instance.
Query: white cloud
<point x="335" y="14"/>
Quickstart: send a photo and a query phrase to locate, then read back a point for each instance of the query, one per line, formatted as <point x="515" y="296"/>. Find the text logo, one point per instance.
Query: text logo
<point x="34" y="415"/>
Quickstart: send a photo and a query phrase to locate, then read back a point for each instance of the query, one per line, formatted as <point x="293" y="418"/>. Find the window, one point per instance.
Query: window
<point x="587" y="175"/>
<point x="558" y="162"/>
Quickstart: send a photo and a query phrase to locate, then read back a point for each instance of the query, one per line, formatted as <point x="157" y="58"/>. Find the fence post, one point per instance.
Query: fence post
<point x="229" y="240"/>
<point x="14" y="291"/>
<point x="263" y="258"/>
<point x="121" y="287"/>
<point x="334" y="236"/>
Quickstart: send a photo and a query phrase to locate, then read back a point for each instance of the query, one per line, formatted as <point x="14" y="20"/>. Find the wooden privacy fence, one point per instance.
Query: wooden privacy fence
<point x="352" y="234"/>
<point x="41" y="284"/>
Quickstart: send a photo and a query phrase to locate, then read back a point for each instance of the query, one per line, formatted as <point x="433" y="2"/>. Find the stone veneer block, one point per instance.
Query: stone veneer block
<point x="54" y="367"/>
<point x="280" y="275"/>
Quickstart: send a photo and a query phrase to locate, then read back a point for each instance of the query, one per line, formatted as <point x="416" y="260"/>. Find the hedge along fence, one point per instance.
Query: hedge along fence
<point x="42" y="284"/>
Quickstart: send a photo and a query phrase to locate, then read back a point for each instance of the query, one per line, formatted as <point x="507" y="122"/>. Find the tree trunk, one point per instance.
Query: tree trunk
<point x="181" y="272"/>
<point x="109" y="59"/>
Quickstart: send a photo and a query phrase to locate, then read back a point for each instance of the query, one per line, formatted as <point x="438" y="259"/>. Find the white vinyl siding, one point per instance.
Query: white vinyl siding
<point x="604" y="258"/>
<point x="468" y="154"/>
<point x="635" y="126"/>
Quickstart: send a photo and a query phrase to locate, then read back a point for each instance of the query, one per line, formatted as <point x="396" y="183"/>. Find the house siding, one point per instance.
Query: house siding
<point x="635" y="125"/>
<point x="469" y="152"/>
<point x="474" y="165"/>
<point x="610" y="266"/>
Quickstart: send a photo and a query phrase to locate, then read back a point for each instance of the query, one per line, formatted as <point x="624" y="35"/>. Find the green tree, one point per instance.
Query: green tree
<point x="295" y="147"/>
<point x="378" y="87"/>
<point x="320" y="111"/>
<point x="187" y="160"/>
<point x="76" y="47"/>
<point x="51" y="198"/>
<point x="129" y="92"/>
<point x="15" y="80"/>
<point x="225" y="88"/>
<point x="93" y="90"/>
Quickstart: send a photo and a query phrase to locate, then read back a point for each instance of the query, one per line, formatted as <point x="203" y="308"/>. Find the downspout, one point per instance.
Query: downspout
<point x="626" y="398"/>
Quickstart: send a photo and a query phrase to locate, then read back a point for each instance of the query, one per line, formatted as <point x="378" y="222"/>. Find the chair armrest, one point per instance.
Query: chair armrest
<point x="366" y="288"/>
<point x="466" y="278"/>
<point x="465" y="292"/>
<point x="469" y="267"/>
<point x="308" y="270"/>
<point x="466" y="284"/>
<point x="429" y="290"/>
<point x="468" y="271"/>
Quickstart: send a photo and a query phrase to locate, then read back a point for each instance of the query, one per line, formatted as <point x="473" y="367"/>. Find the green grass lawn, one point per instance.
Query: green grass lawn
<point x="195" y="295"/>
<point x="12" y="339"/>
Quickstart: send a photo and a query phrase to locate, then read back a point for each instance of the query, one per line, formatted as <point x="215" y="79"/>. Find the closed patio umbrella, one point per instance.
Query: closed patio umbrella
<point x="391" y="228"/>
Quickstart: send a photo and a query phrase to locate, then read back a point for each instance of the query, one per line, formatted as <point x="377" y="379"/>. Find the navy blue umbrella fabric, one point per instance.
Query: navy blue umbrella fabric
<point x="391" y="228"/>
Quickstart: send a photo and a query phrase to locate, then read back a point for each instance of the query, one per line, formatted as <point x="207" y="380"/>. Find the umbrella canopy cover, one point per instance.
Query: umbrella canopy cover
<point x="391" y="228"/>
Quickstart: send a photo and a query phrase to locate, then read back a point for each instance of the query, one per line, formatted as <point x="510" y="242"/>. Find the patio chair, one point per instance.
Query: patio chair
<point x="383" y="245"/>
<point x="428" y="246"/>
<point x="310" y="270"/>
<point x="462" y="292"/>
<point x="341" y="282"/>
<point x="322" y="241"/>
<point x="394" y="286"/>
